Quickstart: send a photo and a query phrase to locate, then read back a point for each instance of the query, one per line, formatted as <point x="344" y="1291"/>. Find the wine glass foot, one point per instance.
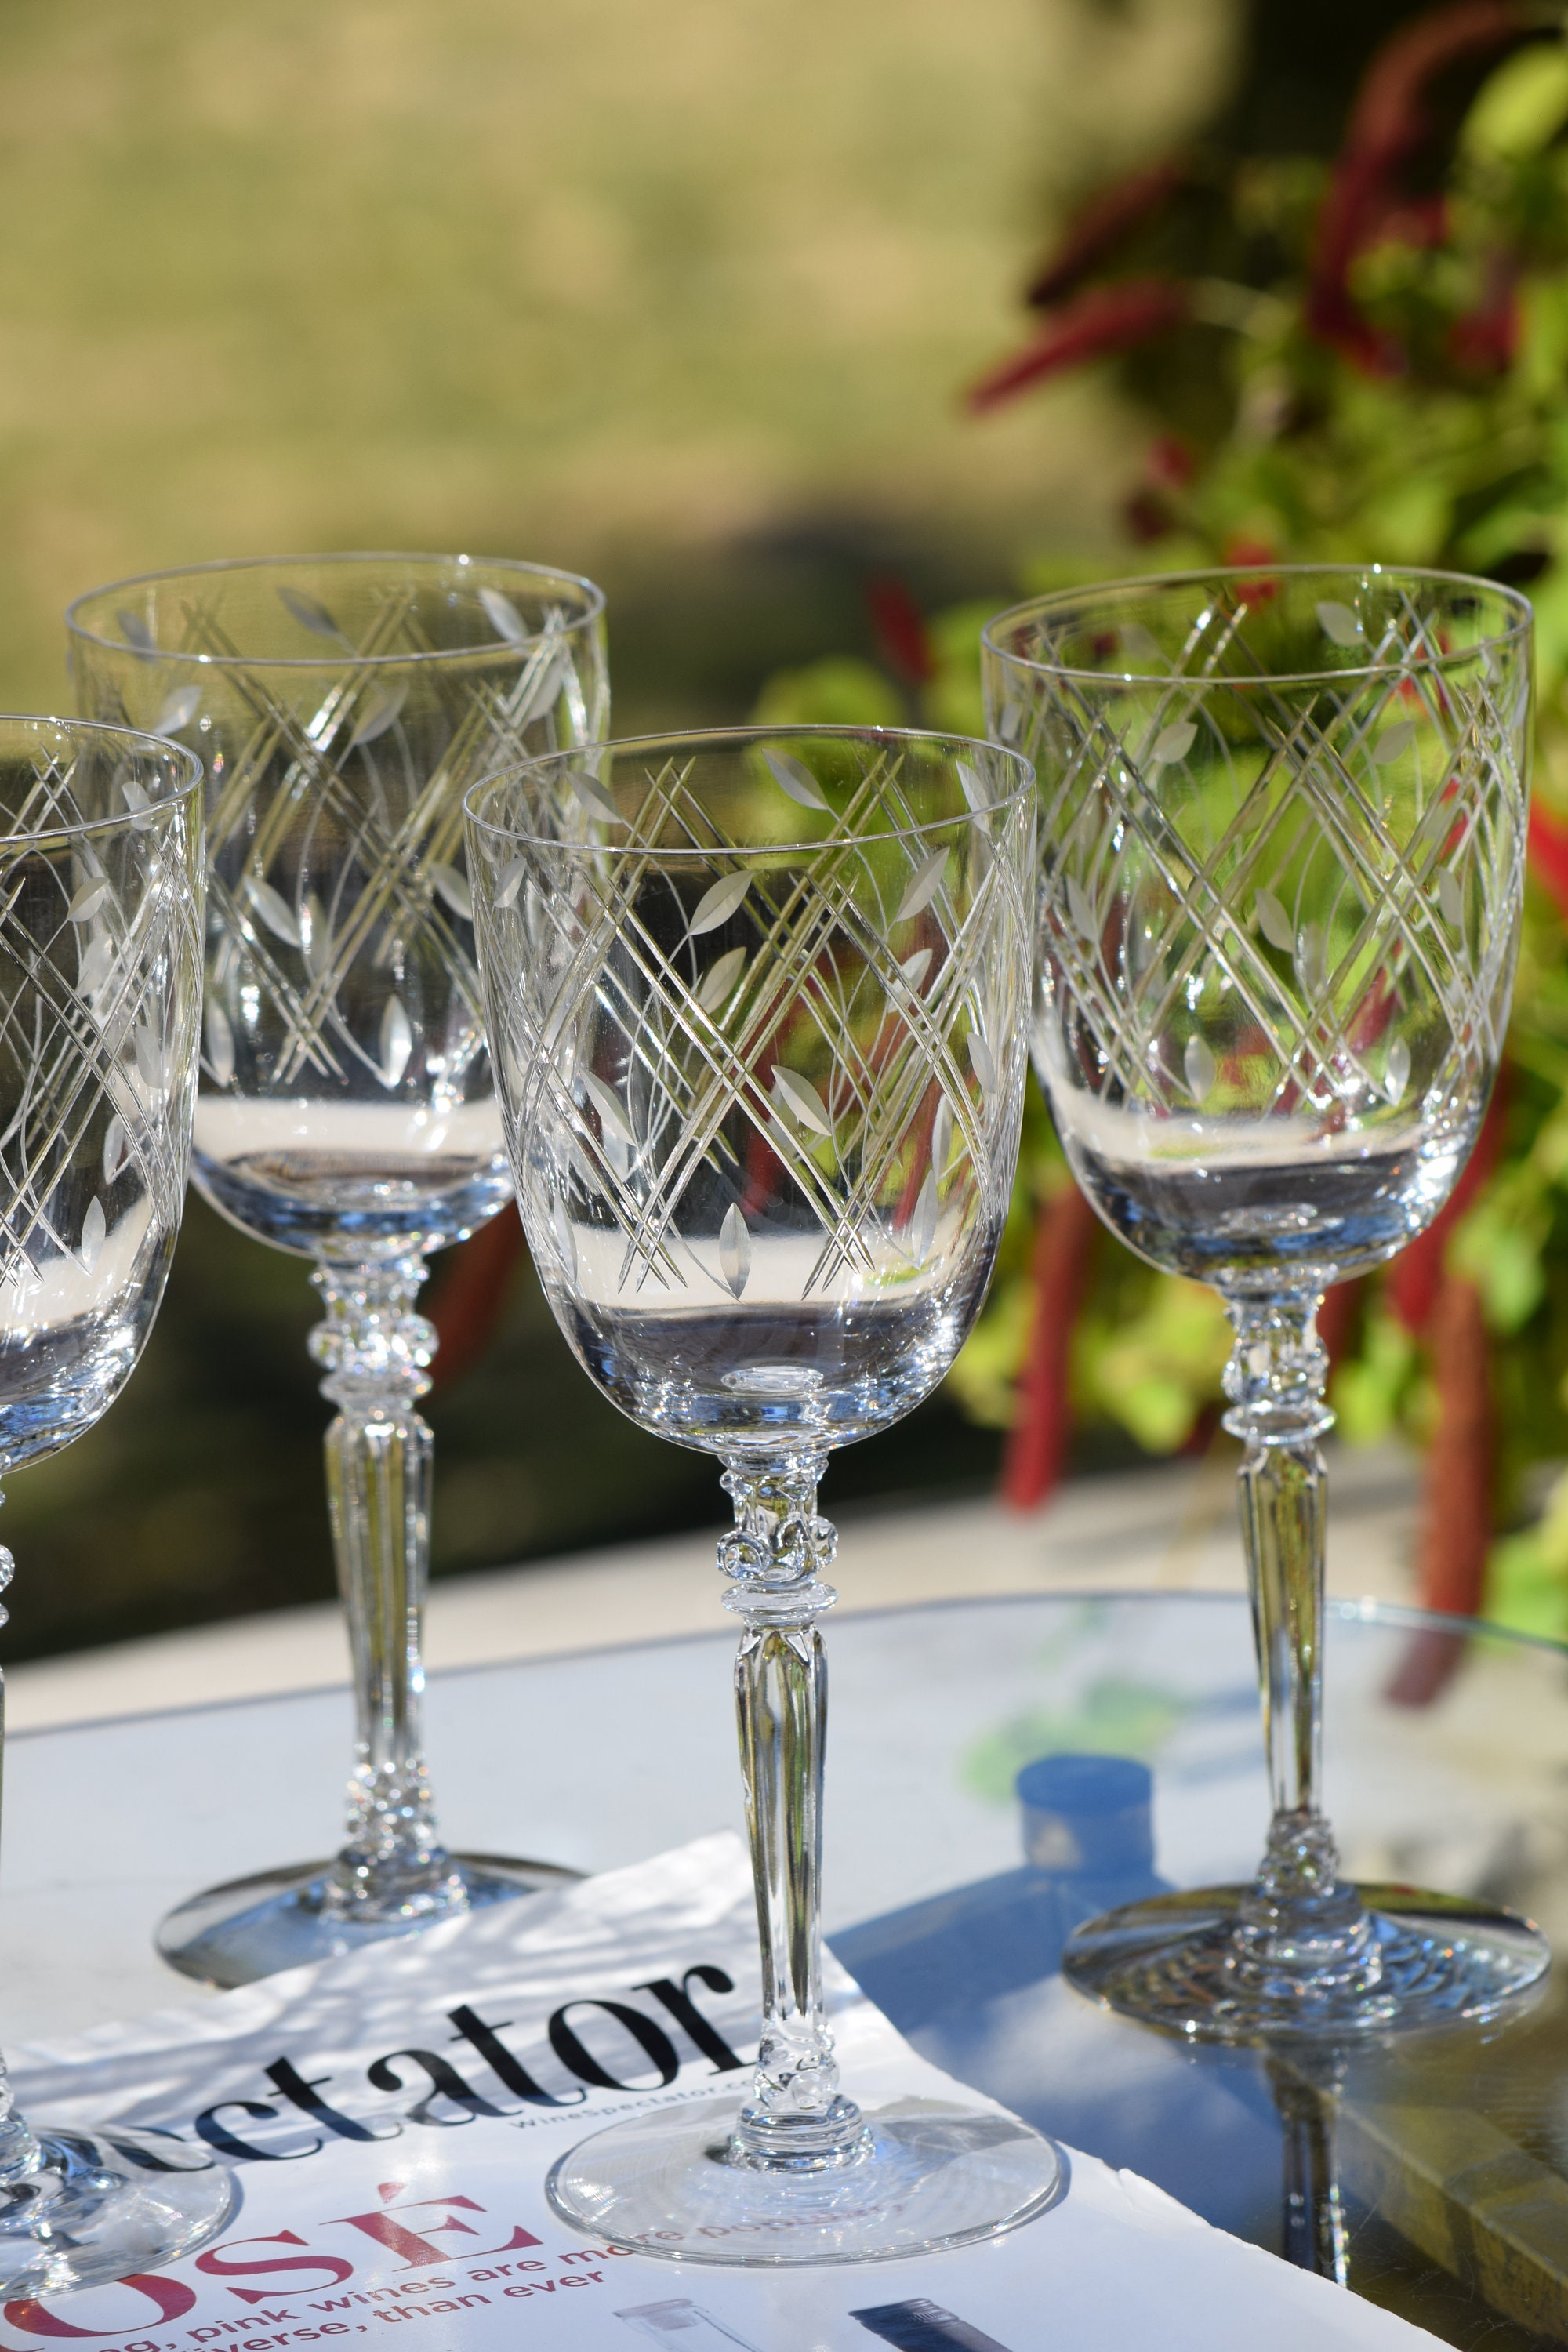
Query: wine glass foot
<point x="931" y="2176"/>
<point x="103" y="2206"/>
<point x="1426" y="1960"/>
<point x="252" y="1928"/>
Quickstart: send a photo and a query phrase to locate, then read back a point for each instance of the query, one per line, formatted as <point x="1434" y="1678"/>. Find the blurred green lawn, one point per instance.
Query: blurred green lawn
<point x="678" y="294"/>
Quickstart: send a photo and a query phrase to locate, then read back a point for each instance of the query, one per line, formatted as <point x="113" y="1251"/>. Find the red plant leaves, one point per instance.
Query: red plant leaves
<point x="1549" y="855"/>
<point x="1096" y="324"/>
<point x="1387" y="126"/>
<point x="902" y="638"/>
<point x="1099" y="226"/>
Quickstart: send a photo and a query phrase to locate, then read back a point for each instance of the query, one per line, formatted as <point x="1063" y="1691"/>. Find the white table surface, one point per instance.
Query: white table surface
<point x="602" y="1757"/>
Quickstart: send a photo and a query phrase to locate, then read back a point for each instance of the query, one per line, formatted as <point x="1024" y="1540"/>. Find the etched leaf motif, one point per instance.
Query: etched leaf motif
<point x="310" y="612"/>
<point x="1394" y="742"/>
<point x="723" y="898"/>
<point x="612" y="1118"/>
<point x="1396" y="1071"/>
<point x="380" y="710"/>
<point x="148" y="1051"/>
<point x="922" y="1224"/>
<point x="799" y="1096"/>
<point x="220" y="1043"/>
<point x="503" y="616"/>
<point x="734" y="1249"/>
<point x="973" y="783"/>
<point x="1010" y="725"/>
<point x="981" y="1061"/>
<point x="923" y="885"/>
<point x="914" y="969"/>
<point x="1080" y="907"/>
<point x="138" y="801"/>
<point x="96" y="964"/>
<point x="94" y="1228"/>
<point x="1451" y="898"/>
<point x="135" y="630"/>
<point x="1337" y="621"/>
<point x="719" y="985"/>
<point x="273" y="908"/>
<point x="547" y="687"/>
<point x="1174" y="742"/>
<point x="89" y="899"/>
<point x="510" y="882"/>
<point x="593" y="797"/>
<point x="1311" y="968"/>
<point x="116" y="1147"/>
<point x="1274" y="922"/>
<point x="396" y="1042"/>
<point x="317" y="938"/>
<point x="793" y="777"/>
<point x="941" y="1136"/>
<point x="177" y="712"/>
<point x="1199" y="1066"/>
<point x="453" y="888"/>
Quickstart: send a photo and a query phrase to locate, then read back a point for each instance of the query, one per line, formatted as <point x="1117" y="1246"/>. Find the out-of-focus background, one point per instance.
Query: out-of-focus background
<point x="687" y="297"/>
<point x="682" y="296"/>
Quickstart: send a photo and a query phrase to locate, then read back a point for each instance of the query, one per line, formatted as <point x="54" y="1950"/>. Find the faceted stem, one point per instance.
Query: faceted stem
<point x="19" y="2151"/>
<point x="1299" y="1918"/>
<point x="795" y="2118"/>
<point x="378" y="1452"/>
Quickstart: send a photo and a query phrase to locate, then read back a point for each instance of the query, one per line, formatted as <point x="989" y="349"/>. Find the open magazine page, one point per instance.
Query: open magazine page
<point x="392" y="2118"/>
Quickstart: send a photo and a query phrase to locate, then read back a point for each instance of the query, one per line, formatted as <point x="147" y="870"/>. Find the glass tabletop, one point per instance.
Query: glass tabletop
<point x="1448" y="1765"/>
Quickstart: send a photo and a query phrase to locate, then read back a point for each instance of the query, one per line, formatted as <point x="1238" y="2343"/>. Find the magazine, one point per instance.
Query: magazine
<point x="391" y="2118"/>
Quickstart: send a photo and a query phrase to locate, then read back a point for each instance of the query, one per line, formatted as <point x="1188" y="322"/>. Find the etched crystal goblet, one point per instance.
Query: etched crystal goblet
<point x="1282" y="827"/>
<point x="757" y="1003"/>
<point x="101" y="990"/>
<point x="342" y="705"/>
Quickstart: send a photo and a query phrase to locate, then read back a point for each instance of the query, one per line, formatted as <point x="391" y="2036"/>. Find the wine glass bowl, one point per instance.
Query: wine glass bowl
<point x="100" y="884"/>
<point x="1282" y="839"/>
<point x="342" y="706"/>
<point x="757" y="1003"/>
<point x="96" y="1073"/>
<point x="1274" y="981"/>
<point x="756" y="1156"/>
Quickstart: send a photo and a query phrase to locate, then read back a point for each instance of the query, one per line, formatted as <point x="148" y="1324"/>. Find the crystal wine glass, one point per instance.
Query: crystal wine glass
<point x="757" y="1001"/>
<point x="101" y="978"/>
<point x="342" y="705"/>
<point x="1283" y="824"/>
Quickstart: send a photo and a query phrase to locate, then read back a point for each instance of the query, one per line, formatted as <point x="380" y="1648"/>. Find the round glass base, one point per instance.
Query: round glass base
<point x="1425" y="1961"/>
<point x="98" y="2208"/>
<point x="928" y="2175"/>
<point x="254" y="1927"/>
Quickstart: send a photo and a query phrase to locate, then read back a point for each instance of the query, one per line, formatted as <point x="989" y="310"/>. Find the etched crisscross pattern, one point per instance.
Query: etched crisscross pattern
<point x="99" y="998"/>
<point x="1278" y="909"/>
<point x="340" y="730"/>
<point x="757" y="1085"/>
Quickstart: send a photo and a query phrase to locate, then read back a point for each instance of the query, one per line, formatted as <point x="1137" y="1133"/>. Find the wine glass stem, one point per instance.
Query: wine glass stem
<point x="1299" y="1914"/>
<point x="1312" y="2220"/>
<point x="795" y="2118"/>
<point x="19" y="2151"/>
<point x="377" y="1349"/>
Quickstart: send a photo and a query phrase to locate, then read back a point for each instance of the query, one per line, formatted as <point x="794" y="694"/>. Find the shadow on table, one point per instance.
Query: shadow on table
<point x="1426" y="2173"/>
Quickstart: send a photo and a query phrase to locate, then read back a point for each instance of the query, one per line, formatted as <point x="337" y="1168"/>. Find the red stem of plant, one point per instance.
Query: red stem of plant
<point x="1456" y="1516"/>
<point x="467" y="1300"/>
<point x="1096" y="324"/>
<point x="1037" y="1443"/>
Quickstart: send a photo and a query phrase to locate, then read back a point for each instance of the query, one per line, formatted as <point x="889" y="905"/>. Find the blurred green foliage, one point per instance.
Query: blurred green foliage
<point x="1412" y="408"/>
